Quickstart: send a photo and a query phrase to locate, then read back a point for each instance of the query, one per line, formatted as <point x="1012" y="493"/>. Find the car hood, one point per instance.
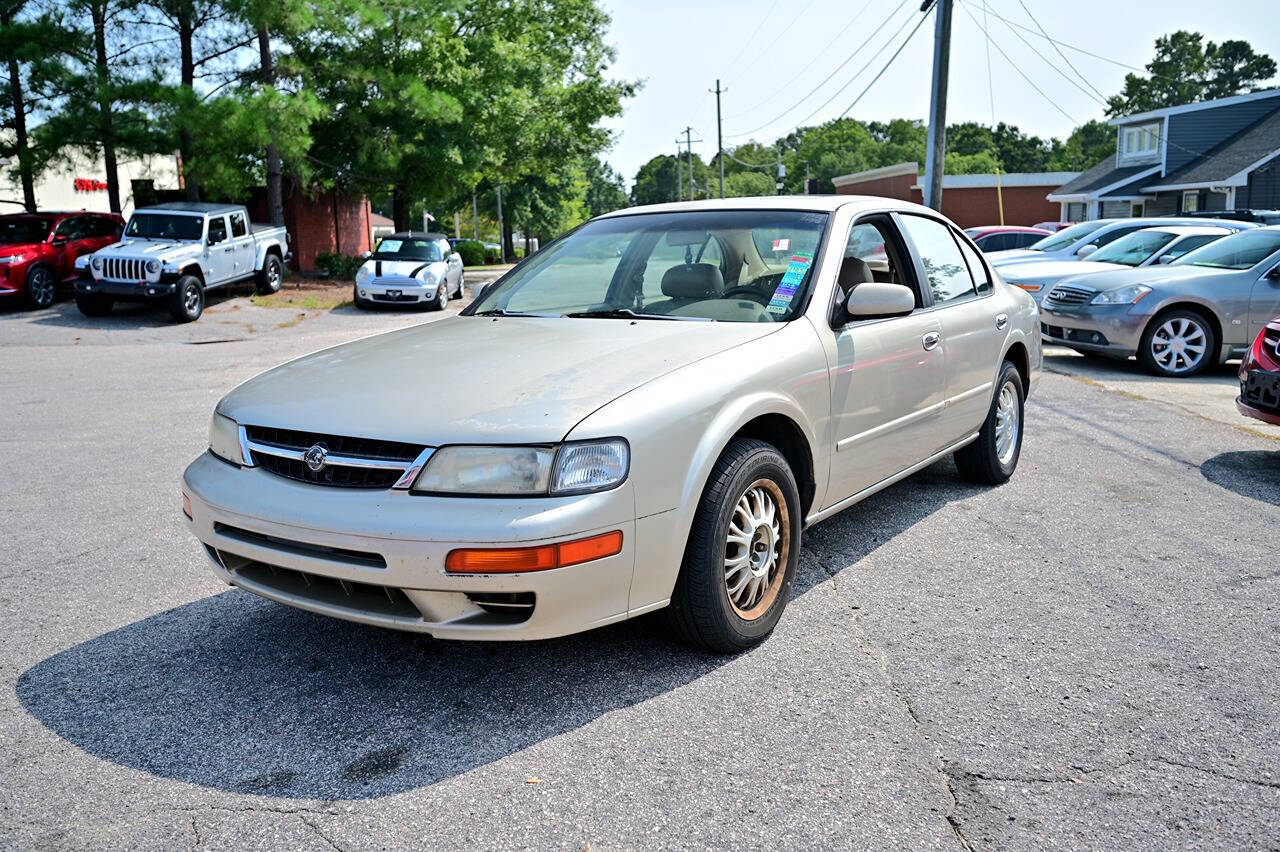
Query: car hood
<point x="158" y="249"/>
<point x="20" y="248"/>
<point x="477" y="379"/>
<point x="401" y="268"/>
<point x="1054" y="269"/>
<point x="1152" y="276"/>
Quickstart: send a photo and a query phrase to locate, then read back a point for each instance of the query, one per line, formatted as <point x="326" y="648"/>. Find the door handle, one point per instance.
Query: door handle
<point x="1001" y="321"/>
<point x="931" y="340"/>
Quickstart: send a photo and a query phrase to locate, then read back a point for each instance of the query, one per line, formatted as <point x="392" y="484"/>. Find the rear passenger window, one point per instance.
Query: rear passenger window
<point x="977" y="269"/>
<point x="944" y="266"/>
<point x="1116" y="234"/>
<point x="995" y="242"/>
<point x="238" y="226"/>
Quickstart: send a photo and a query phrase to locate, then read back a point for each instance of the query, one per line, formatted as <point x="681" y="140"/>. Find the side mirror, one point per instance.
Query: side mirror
<point x="870" y="300"/>
<point x="454" y="257"/>
<point x="1165" y="258"/>
<point x="365" y="255"/>
<point x="1085" y="251"/>
<point x="1274" y="274"/>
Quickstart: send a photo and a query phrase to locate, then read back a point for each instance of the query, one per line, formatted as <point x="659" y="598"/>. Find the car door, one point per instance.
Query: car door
<point x="219" y="251"/>
<point x="66" y="242"/>
<point x="243" y="252"/>
<point x="453" y="263"/>
<point x="972" y="328"/>
<point x="887" y="376"/>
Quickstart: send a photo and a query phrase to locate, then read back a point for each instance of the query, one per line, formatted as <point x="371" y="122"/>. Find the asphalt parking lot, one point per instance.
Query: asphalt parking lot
<point x="1088" y="656"/>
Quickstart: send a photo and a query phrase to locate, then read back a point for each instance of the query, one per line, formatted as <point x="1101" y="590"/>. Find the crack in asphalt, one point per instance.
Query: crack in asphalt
<point x="315" y="828"/>
<point x="959" y="773"/>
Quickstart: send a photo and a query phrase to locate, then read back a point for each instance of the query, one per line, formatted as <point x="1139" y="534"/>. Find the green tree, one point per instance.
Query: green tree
<point x="28" y="43"/>
<point x="748" y="183"/>
<point x="604" y="188"/>
<point x="1186" y="69"/>
<point x="1088" y="145"/>
<point x="657" y="181"/>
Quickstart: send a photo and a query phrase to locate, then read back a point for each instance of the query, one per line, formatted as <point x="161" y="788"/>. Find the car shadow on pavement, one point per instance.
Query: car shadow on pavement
<point x="1108" y="369"/>
<point x="1250" y="473"/>
<point x="244" y="695"/>
<point x="130" y="315"/>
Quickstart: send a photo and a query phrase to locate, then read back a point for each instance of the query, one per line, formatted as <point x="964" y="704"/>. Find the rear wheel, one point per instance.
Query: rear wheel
<point x="271" y="276"/>
<point x="42" y="287"/>
<point x="187" y="302"/>
<point x="740" y="561"/>
<point x="1179" y="343"/>
<point x="94" y="306"/>
<point x="992" y="458"/>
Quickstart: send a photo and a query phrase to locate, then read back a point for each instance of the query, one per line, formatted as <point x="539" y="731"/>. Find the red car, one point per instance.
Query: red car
<point x="1002" y="237"/>
<point x="38" y="251"/>
<point x="1260" y="377"/>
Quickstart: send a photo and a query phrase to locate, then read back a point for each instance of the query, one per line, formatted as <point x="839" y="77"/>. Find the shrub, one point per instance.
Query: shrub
<point x="472" y="252"/>
<point x="340" y="267"/>
<point x="491" y="256"/>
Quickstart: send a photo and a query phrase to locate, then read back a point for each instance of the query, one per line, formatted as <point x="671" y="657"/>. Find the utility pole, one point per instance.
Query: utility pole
<point x="679" y="173"/>
<point x="502" y="234"/>
<point x="935" y="156"/>
<point x="782" y="170"/>
<point x="720" y="136"/>
<point x="688" y="142"/>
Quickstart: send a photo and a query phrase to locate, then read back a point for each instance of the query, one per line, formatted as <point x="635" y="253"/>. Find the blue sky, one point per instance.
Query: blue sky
<point x="679" y="48"/>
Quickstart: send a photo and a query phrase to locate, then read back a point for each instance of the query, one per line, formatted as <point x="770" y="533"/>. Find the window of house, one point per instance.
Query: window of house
<point x="1190" y="201"/>
<point x="1140" y="141"/>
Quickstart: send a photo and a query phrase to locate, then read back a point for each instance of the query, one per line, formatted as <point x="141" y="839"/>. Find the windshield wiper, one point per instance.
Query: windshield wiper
<point x="627" y="313"/>
<point x="503" y="312"/>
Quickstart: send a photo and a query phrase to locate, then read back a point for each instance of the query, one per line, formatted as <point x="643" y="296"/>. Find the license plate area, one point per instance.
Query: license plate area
<point x="395" y="294"/>
<point x="1262" y="389"/>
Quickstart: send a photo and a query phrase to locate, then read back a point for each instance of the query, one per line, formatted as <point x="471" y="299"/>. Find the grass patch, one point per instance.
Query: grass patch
<point x="308" y="296"/>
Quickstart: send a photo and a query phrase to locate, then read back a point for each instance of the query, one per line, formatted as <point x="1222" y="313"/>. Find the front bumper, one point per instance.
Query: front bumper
<point x="1105" y="329"/>
<point x="407" y="291"/>
<point x="127" y="291"/>
<point x="377" y="557"/>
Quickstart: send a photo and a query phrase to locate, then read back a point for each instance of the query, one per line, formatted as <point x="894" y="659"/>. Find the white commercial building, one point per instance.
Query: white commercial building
<point x="81" y="184"/>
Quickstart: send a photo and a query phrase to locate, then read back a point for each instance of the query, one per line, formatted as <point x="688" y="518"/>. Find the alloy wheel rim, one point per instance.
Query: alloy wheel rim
<point x="192" y="299"/>
<point x="1008" y="423"/>
<point x="42" y="287"/>
<point x="757" y="548"/>
<point x="273" y="276"/>
<point x="1179" y="345"/>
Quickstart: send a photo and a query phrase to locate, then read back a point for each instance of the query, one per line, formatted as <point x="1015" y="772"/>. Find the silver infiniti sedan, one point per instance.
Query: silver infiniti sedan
<point x="661" y="401"/>
<point x="1180" y="318"/>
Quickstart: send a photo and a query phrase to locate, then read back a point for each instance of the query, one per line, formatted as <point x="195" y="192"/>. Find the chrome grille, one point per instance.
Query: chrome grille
<point x="124" y="269"/>
<point x="1067" y="295"/>
<point x="350" y="462"/>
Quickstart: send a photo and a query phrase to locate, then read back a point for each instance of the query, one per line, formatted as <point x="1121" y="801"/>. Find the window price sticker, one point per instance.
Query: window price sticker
<point x="796" y="269"/>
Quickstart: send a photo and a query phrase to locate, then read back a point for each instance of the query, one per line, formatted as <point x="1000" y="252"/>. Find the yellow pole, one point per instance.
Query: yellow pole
<point x="999" y="195"/>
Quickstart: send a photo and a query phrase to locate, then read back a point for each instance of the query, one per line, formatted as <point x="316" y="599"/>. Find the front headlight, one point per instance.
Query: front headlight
<point x="12" y="258"/>
<point x="427" y="277"/>
<point x="97" y="263"/>
<point x="224" y="439"/>
<point x="1121" y="296"/>
<point x="363" y="274"/>
<point x="487" y="470"/>
<point x="577" y="468"/>
<point x="153" y="266"/>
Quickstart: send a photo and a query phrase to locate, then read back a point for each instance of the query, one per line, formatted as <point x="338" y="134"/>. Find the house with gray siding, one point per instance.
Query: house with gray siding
<point x="1214" y="155"/>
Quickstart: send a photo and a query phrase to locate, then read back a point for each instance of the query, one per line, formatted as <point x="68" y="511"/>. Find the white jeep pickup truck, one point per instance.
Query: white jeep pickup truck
<point x="175" y="252"/>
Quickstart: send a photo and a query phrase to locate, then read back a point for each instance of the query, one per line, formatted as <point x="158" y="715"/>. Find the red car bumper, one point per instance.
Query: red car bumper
<point x="1259" y="398"/>
<point x="1257" y="413"/>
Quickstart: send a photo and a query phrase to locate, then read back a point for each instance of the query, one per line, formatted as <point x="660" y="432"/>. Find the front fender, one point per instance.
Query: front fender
<point x="679" y="424"/>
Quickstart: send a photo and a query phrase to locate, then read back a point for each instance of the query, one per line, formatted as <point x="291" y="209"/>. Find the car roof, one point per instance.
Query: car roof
<point x="1192" y="230"/>
<point x="812" y="203"/>
<point x="55" y="214"/>
<point x="197" y="207"/>
<point x="1008" y="229"/>
<point x="416" y="235"/>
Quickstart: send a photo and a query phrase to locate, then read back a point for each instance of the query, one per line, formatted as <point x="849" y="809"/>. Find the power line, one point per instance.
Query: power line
<point x="836" y="70"/>
<point x="750" y="39"/>
<point x="1101" y="97"/>
<point x="749" y="165"/>
<point x="880" y="73"/>
<point x="1015" y="67"/>
<point x="778" y="35"/>
<point x="1020" y="37"/>
<point x="820" y="54"/>
<point x="991" y="89"/>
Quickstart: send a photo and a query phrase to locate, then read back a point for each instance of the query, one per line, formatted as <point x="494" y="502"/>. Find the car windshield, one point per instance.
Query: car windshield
<point x="165" y="226"/>
<point x="726" y="265"/>
<point x="1134" y="249"/>
<point x="408" y="248"/>
<point x="24" y="229"/>
<point x="1067" y="237"/>
<point x="1238" y="251"/>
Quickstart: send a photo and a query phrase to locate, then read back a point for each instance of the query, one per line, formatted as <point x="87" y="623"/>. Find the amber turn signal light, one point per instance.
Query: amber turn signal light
<point x="515" y="560"/>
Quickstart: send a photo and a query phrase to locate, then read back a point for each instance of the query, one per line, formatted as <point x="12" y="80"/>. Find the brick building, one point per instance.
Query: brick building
<point x="968" y="200"/>
<point x="320" y="221"/>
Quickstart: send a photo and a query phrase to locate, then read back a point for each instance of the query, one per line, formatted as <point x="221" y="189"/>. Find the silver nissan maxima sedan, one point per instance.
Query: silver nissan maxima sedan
<point x="660" y="402"/>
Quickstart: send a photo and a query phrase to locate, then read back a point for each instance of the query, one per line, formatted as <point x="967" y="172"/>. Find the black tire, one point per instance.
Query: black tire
<point x="701" y="611"/>
<point x="1198" y="332"/>
<point x="187" y="302"/>
<point x="94" y="306"/>
<point x="462" y="285"/>
<point x="362" y="304"/>
<point x="983" y="460"/>
<point x="271" y="276"/>
<point x="41" y="287"/>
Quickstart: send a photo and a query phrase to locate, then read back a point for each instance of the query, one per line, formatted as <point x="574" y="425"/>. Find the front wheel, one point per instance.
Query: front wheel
<point x="187" y="302"/>
<point x="740" y="561"/>
<point x="992" y="458"/>
<point x="462" y="285"/>
<point x="442" y="297"/>
<point x="42" y="287"/>
<point x="1179" y="343"/>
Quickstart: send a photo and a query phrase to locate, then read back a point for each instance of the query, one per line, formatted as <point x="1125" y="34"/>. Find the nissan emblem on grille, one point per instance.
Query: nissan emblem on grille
<point x="315" y="456"/>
